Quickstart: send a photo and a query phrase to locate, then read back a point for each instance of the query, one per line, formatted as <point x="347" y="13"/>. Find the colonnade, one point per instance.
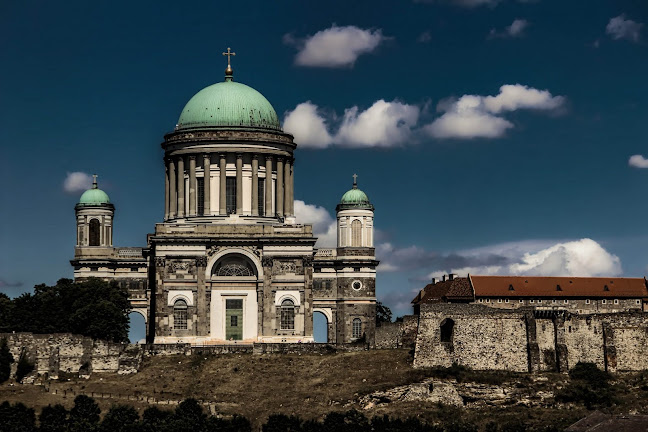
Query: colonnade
<point x="176" y="190"/>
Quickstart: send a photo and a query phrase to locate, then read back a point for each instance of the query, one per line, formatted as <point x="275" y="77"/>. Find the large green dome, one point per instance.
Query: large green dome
<point x="228" y="104"/>
<point x="94" y="197"/>
<point x="354" y="199"/>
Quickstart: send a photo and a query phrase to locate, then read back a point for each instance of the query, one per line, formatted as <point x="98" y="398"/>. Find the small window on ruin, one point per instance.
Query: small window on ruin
<point x="499" y="300"/>
<point x="566" y="301"/>
<point x="616" y="301"/>
<point x="587" y="301"/>
<point x="604" y="301"/>
<point x="506" y="301"/>
<point x="447" y="330"/>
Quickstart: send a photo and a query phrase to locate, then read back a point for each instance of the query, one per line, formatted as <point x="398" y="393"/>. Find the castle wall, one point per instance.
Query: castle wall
<point x="68" y="353"/>
<point x="528" y="340"/>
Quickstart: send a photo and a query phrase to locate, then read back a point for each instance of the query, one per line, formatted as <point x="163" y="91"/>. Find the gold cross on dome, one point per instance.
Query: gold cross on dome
<point x="229" y="55"/>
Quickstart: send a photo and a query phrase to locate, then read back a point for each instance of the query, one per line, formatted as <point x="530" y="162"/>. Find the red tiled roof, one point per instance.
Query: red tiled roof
<point x="540" y="286"/>
<point x="455" y="289"/>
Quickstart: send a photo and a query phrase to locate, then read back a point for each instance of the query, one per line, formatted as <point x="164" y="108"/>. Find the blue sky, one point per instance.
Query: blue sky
<point x="491" y="136"/>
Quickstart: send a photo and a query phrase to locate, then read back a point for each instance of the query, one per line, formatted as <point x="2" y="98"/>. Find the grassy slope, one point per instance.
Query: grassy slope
<point x="308" y="385"/>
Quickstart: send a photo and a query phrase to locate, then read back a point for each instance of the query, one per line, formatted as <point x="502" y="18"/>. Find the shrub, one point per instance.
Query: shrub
<point x="5" y="361"/>
<point x="84" y="415"/>
<point x="588" y="385"/>
<point x="53" y="419"/>
<point x="120" y="418"/>
<point x="24" y="367"/>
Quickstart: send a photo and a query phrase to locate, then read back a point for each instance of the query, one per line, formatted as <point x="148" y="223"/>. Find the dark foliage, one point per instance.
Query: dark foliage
<point x="94" y="308"/>
<point x="120" y="418"/>
<point x="383" y="313"/>
<point x="24" y="367"/>
<point x="5" y="361"/>
<point x="16" y="418"/>
<point x="588" y="385"/>
<point x="84" y="415"/>
<point x="6" y="312"/>
<point x="53" y="419"/>
<point x="465" y="374"/>
<point x="282" y="423"/>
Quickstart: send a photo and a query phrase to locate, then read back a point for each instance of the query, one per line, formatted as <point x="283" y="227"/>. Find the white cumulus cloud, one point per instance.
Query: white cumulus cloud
<point x="336" y="46"/>
<point x="307" y="126"/>
<point x="384" y="124"/>
<point x="621" y="28"/>
<point x="77" y="182"/>
<point x="638" y="161"/>
<point x="584" y="257"/>
<point x="324" y="225"/>
<point x="474" y="116"/>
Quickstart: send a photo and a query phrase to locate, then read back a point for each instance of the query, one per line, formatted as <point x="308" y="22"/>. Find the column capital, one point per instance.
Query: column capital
<point x="222" y="155"/>
<point x="239" y="155"/>
<point x="269" y="157"/>
<point x="207" y="156"/>
<point x="255" y="156"/>
<point x="280" y="158"/>
<point x="192" y="157"/>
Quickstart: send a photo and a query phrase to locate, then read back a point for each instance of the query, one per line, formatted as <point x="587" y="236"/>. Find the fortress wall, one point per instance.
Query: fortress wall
<point x="67" y="353"/>
<point x="584" y="340"/>
<point x="627" y="341"/>
<point x="482" y="338"/>
<point x="389" y="335"/>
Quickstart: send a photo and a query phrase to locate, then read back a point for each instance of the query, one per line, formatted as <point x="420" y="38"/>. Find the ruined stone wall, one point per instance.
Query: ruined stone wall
<point x="389" y="335"/>
<point x="481" y="338"/>
<point x="527" y="340"/>
<point x="68" y="353"/>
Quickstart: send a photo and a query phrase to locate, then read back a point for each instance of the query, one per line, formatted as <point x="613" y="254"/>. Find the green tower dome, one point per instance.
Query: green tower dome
<point x="354" y="199"/>
<point x="94" y="196"/>
<point x="228" y="104"/>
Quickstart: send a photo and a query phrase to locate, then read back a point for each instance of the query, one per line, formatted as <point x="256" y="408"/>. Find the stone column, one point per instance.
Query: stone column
<point x="192" y="185"/>
<point x="255" y="185"/>
<point x="173" y="197"/>
<point x="287" y="187"/>
<point x="207" y="184"/>
<point x="181" y="187"/>
<point x="268" y="187"/>
<point x="292" y="188"/>
<point x="239" y="184"/>
<point x="221" y="195"/>
<point x="280" y="189"/>
<point x="166" y="189"/>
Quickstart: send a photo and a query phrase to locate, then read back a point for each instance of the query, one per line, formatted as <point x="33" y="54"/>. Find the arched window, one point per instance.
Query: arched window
<point x="356" y="233"/>
<point x="287" y="315"/>
<point x="447" y="330"/>
<point x="94" y="232"/>
<point x="180" y="315"/>
<point x="357" y="328"/>
<point x="234" y="265"/>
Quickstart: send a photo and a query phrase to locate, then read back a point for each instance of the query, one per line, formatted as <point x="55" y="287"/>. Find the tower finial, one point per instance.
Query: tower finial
<point x="94" y="181"/>
<point x="355" y="181"/>
<point x="229" y="72"/>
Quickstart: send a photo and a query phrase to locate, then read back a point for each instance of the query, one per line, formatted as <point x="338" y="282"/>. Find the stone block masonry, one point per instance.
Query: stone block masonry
<point x="529" y="340"/>
<point x="57" y="353"/>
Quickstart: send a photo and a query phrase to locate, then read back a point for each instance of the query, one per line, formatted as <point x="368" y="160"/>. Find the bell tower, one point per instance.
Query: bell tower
<point x="94" y="216"/>
<point x="355" y="215"/>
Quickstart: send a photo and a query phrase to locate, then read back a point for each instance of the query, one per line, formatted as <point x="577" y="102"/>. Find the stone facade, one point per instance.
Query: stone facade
<point x="53" y="354"/>
<point x="529" y="340"/>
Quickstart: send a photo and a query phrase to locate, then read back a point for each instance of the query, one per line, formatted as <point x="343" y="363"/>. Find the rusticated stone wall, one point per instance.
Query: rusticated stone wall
<point x="69" y="353"/>
<point x="531" y="340"/>
<point x="401" y="334"/>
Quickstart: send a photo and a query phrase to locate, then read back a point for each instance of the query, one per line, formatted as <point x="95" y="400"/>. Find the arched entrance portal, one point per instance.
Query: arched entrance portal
<point x="322" y="325"/>
<point x="137" y="329"/>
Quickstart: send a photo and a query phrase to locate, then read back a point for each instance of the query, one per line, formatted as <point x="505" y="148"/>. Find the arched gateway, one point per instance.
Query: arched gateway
<point x="229" y="263"/>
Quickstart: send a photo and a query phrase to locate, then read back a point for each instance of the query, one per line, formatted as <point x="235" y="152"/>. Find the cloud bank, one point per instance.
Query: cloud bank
<point x="621" y="28"/>
<point x="324" y="225"/>
<point x="393" y="124"/>
<point x="76" y="182"/>
<point x="474" y="116"/>
<point x="516" y="29"/>
<point x="638" y="161"/>
<point x="335" y="47"/>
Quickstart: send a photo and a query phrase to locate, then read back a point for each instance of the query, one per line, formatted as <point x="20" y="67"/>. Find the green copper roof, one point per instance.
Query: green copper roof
<point x="94" y="196"/>
<point x="228" y="104"/>
<point x="354" y="198"/>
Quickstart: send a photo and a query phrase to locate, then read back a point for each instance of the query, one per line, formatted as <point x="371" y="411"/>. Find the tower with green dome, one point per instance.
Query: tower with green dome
<point x="355" y="215"/>
<point x="94" y="215"/>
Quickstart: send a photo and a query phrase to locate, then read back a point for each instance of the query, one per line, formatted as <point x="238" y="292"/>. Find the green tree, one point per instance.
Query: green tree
<point x="155" y="420"/>
<point x="383" y="313"/>
<point x="17" y="418"/>
<point x="53" y="419"/>
<point x="188" y="417"/>
<point x="84" y="415"/>
<point x="120" y="418"/>
<point x="5" y="361"/>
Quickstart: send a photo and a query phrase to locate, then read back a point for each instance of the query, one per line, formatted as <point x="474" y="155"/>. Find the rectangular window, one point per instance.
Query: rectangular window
<point x="200" y="186"/>
<point x="638" y="302"/>
<point x="587" y="301"/>
<point x="230" y="194"/>
<point x="566" y="301"/>
<point x="616" y="301"/>
<point x="261" y="197"/>
<point x="481" y="300"/>
<point x="531" y="301"/>
<point x="521" y="301"/>
<point x="487" y="300"/>
<point x="506" y="301"/>
<point x="604" y="301"/>
<point x="499" y="300"/>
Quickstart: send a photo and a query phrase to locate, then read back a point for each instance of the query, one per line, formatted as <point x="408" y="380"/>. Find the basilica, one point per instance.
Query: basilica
<point x="229" y="263"/>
